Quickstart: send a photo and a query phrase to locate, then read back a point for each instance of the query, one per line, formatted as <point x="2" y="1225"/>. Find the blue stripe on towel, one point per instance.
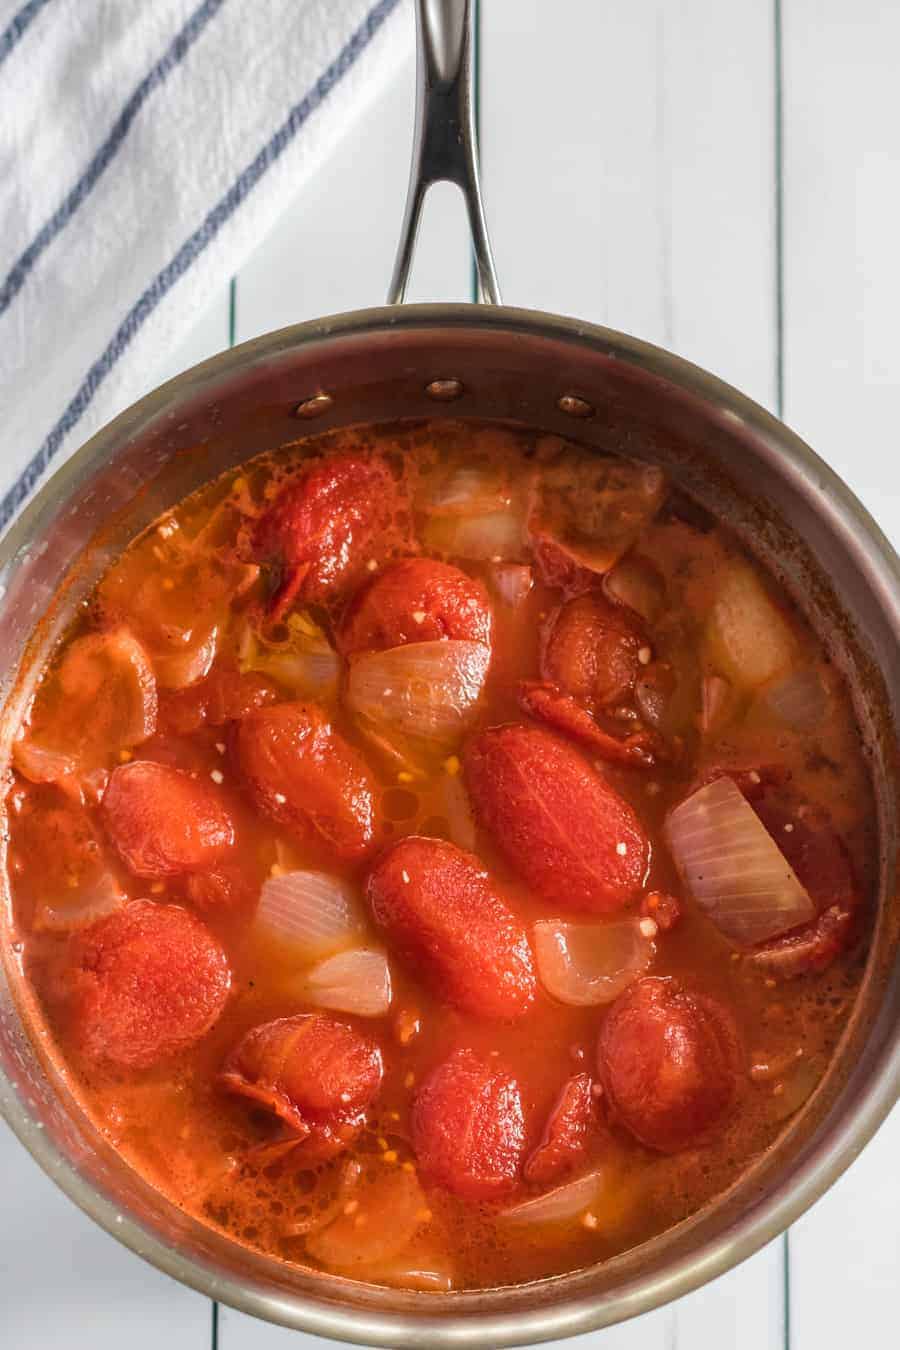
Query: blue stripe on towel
<point x="17" y="26"/>
<point x="189" y="251"/>
<point x="173" y="57"/>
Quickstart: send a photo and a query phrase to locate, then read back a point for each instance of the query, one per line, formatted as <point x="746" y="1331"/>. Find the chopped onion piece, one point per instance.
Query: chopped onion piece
<point x="799" y="700"/>
<point x="593" y="507"/>
<point x="458" y="812"/>
<point x="100" y="700"/>
<point x="797" y="1086"/>
<point x="511" y="582"/>
<point x="468" y="489"/>
<point x="80" y="907"/>
<point x="749" y="641"/>
<point x="635" y="582"/>
<point x="390" y="1208"/>
<point x="422" y="1273"/>
<point x="559" y="1205"/>
<point x="357" y="981"/>
<point x="308" y="915"/>
<point x="427" y="691"/>
<point x="305" y="662"/>
<point x="190" y="658"/>
<point x="716" y="703"/>
<point x="496" y="535"/>
<point x="733" y="867"/>
<point x="584" y="964"/>
<point x="39" y="763"/>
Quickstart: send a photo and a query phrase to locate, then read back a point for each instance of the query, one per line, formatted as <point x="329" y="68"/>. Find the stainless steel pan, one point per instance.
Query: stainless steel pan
<point x="606" y="390"/>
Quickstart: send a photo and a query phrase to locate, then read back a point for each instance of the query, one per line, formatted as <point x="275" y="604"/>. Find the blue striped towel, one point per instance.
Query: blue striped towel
<point x="145" y="147"/>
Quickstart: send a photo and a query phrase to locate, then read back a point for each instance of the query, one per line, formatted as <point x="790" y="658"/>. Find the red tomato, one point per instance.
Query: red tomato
<point x="313" y="1072"/>
<point x="639" y="750"/>
<point x="225" y="695"/>
<point x="416" y="600"/>
<point x="316" y="532"/>
<point x="468" y="1128"/>
<point x="143" y="984"/>
<point x="560" y="825"/>
<point x="822" y="864"/>
<point x="165" y="821"/>
<point x="442" y="912"/>
<point x="567" y="1133"/>
<point x="591" y="651"/>
<point x="669" y="1062"/>
<point x="306" y="778"/>
<point x="560" y="567"/>
<point x="55" y="843"/>
<point x="226" y="887"/>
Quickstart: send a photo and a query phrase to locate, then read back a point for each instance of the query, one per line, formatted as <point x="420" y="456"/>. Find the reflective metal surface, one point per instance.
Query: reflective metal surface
<point x="445" y="145"/>
<point x="747" y="468"/>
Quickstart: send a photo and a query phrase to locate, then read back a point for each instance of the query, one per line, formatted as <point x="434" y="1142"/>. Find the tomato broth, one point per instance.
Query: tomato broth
<point x="441" y="855"/>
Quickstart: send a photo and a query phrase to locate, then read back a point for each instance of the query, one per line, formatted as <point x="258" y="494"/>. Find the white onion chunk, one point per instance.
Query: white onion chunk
<point x="585" y="964"/>
<point x="427" y="691"/>
<point x="308" y="915"/>
<point x="733" y="867"/>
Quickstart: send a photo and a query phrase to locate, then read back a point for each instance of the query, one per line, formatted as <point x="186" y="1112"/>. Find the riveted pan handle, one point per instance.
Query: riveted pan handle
<point x="445" y="146"/>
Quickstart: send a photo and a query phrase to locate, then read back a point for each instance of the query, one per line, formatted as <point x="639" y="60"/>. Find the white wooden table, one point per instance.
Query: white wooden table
<point x="723" y="179"/>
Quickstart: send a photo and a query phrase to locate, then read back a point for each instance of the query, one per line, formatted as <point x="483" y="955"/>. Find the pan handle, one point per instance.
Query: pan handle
<point x="445" y="144"/>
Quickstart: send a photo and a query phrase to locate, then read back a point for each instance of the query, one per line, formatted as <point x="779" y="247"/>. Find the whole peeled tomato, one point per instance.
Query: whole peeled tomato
<point x="416" y="600"/>
<point x="445" y="916"/>
<point x="165" y="821"/>
<point x="320" y="528"/>
<point x="560" y="825"/>
<point x="316" y="1074"/>
<point x="590" y="650"/>
<point x="143" y="984"/>
<point x="669" y="1062"/>
<point x="468" y="1127"/>
<point x="303" y="775"/>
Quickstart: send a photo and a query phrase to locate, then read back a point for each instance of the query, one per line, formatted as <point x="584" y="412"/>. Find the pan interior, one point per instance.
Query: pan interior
<point x="743" y="467"/>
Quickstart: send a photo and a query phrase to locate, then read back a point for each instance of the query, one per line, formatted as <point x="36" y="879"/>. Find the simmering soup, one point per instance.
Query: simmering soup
<point x="440" y="855"/>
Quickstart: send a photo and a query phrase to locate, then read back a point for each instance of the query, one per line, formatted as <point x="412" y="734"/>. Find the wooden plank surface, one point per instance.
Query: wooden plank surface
<point x="841" y="157"/>
<point x="66" y="1283"/>
<point x="628" y="156"/>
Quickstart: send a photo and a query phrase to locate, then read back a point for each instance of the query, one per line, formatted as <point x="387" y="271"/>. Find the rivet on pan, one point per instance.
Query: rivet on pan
<point x="314" y="407"/>
<point x="575" y="406"/>
<point x="444" y="391"/>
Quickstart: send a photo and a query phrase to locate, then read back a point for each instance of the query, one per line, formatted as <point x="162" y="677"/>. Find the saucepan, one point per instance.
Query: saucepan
<point x="605" y="390"/>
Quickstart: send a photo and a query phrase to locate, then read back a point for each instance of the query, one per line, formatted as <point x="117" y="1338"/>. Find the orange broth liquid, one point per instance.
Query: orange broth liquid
<point x="193" y="1142"/>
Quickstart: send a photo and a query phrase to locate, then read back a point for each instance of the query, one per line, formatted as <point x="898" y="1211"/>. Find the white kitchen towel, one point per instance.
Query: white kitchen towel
<point x="145" y="148"/>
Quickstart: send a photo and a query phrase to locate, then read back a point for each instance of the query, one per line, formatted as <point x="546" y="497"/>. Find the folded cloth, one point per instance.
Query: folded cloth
<point x="145" y="147"/>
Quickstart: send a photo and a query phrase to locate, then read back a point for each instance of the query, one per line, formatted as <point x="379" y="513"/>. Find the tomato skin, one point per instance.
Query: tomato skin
<point x="566" y="1135"/>
<point x="560" y="825"/>
<point x="468" y="1127"/>
<point x="442" y="912"/>
<point x="669" y="1062"/>
<point x="303" y="775"/>
<point x="822" y="864"/>
<point x="558" y="566"/>
<point x="143" y="984"/>
<point x="316" y="531"/>
<point x="225" y="695"/>
<point x="223" y="888"/>
<point x="316" y="1074"/>
<point x="639" y="750"/>
<point x="416" y="600"/>
<point x="164" y="821"/>
<point x="590" y="651"/>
